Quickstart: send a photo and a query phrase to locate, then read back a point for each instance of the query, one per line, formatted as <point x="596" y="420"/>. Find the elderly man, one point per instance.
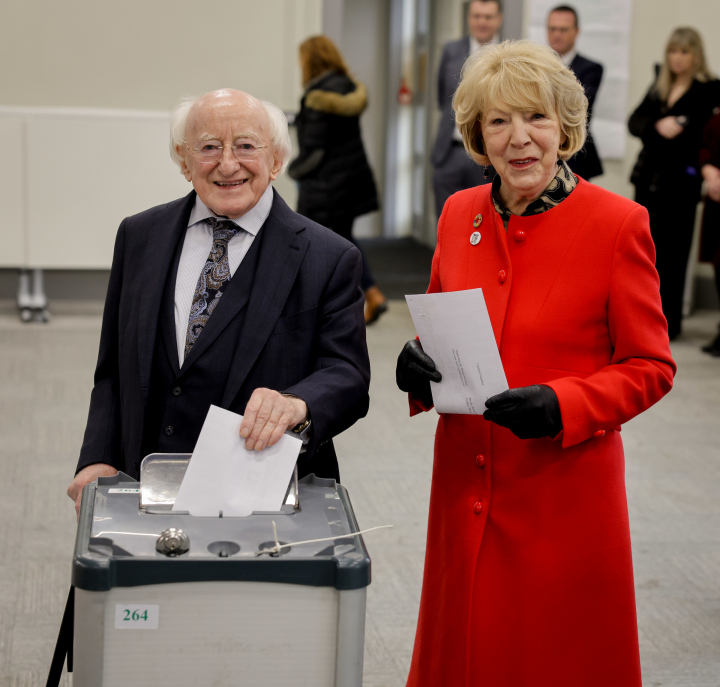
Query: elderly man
<point x="453" y="170"/>
<point x="563" y="29"/>
<point x="226" y="297"/>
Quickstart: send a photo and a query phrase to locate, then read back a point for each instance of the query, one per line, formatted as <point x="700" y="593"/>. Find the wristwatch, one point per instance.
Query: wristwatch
<point x="299" y="429"/>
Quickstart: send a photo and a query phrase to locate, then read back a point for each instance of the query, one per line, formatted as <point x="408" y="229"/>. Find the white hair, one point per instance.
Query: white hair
<point x="278" y="124"/>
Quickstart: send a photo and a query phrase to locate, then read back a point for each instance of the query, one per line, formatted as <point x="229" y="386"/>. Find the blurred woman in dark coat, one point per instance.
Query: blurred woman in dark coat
<point x="710" y="241"/>
<point x="336" y="183"/>
<point x="670" y="121"/>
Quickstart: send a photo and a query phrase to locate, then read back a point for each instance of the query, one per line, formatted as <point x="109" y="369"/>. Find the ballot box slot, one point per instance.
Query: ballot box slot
<point x="223" y="549"/>
<point x="161" y="475"/>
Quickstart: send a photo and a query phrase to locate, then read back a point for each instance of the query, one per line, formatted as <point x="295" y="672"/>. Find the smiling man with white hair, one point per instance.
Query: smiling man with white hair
<point x="226" y="297"/>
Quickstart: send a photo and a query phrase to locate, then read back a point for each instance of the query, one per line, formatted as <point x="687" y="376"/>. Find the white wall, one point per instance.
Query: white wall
<point x="146" y="55"/>
<point x="140" y="55"/>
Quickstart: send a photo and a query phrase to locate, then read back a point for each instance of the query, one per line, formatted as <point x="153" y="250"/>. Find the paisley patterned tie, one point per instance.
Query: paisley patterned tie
<point x="215" y="274"/>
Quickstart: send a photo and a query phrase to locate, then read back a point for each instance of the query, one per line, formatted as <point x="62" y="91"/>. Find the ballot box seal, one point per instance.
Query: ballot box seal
<point x="127" y="556"/>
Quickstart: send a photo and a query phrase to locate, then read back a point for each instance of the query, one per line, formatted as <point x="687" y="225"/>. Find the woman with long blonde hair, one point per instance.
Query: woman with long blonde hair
<point x="670" y="121"/>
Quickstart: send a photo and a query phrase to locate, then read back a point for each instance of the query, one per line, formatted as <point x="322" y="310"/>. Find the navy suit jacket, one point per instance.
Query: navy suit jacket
<point x="587" y="163"/>
<point x="303" y="331"/>
<point x="453" y="58"/>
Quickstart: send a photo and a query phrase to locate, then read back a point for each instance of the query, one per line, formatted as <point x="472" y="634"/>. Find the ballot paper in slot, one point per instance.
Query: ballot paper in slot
<point x="455" y="331"/>
<point x="225" y="476"/>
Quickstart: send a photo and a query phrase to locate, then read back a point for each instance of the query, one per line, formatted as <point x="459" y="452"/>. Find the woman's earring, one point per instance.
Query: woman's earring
<point x="486" y="172"/>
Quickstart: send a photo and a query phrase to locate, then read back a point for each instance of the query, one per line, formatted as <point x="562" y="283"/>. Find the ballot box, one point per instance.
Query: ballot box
<point x="164" y="598"/>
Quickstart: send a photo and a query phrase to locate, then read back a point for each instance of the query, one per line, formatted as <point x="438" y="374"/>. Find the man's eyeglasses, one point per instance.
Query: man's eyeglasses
<point x="212" y="151"/>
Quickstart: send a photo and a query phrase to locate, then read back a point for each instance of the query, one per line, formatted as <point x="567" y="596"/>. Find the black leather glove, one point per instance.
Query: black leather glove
<point x="529" y="412"/>
<point x="415" y="369"/>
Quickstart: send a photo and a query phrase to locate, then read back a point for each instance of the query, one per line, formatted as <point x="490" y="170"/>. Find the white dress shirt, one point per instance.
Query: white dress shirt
<point x="568" y="57"/>
<point x="196" y="249"/>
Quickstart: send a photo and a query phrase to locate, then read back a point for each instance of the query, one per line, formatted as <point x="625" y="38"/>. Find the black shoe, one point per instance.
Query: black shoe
<point x="713" y="348"/>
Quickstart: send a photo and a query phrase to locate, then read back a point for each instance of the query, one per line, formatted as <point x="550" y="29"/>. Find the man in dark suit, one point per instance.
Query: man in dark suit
<point x="563" y="29"/>
<point x="453" y="170"/>
<point x="226" y="297"/>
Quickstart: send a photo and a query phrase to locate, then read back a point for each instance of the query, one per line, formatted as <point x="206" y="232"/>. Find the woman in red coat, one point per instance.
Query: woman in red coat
<point x="528" y="573"/>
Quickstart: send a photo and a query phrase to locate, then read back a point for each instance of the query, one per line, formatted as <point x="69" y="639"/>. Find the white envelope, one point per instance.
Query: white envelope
<point x="224" y="476"/>
<point x="455" y="331"/>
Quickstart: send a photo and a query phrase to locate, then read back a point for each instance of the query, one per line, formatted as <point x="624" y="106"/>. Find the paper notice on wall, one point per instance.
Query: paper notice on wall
<point x="455" y="331"/>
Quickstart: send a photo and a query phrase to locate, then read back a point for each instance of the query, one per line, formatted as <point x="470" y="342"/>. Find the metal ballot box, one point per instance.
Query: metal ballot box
<point x="168" y="599"/>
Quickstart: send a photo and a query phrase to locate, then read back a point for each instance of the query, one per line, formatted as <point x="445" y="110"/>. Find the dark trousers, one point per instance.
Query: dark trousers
<point x="343" y="226"/>
<point x="456" y="173"/>
<point x="672" y="220"/>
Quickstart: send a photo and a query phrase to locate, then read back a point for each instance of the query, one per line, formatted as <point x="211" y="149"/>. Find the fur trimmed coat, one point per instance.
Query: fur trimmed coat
<point x="335" y="180"/>
<point x="528" y="571"/>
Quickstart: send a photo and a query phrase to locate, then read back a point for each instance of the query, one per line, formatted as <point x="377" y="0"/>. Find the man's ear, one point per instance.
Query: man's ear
<point x="183" y="166"/>
<point x="276" y="167"/>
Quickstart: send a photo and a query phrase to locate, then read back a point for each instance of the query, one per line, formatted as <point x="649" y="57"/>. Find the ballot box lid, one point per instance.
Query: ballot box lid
<point x="117" y="541"/>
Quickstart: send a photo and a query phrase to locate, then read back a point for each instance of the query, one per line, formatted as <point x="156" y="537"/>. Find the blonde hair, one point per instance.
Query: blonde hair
<point x="684" y="38"/>
<point x="319" y="54"/>
<point x="521" y="75"/>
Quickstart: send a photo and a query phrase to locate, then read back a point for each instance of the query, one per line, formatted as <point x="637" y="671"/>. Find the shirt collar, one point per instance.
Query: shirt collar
<point x="475" y="44"/>
<point x="559" y="188"/>
<point x="568" y="57"/>
<point x="251" y="221"/>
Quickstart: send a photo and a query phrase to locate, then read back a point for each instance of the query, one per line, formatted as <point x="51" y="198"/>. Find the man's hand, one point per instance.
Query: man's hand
<point x="668" y="127"/>
<point x="529" y="412"/>
<point x="268" y="415"/>
<point x="85" y="476"/>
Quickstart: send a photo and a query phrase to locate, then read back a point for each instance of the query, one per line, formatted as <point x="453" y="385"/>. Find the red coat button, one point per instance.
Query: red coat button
<point x="502" y="276"/>
<point x="480" y="461"/>
<point x="599" y="433"/>
<point x="519" y="235"/>
<point x="477" y="508"/>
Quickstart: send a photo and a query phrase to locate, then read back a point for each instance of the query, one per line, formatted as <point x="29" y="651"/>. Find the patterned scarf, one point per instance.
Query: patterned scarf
<point x="559" y="188"/>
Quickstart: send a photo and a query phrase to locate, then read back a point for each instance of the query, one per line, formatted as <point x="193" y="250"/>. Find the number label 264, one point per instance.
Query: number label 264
<point x="137" y="616"/>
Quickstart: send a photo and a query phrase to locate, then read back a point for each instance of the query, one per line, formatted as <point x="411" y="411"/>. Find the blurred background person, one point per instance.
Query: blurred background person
<point x="563" y="28"/>
<point x="453" y="170"/>
<point x="710" y="238"/>
<point x="335" y="182"/>
<point x="670" y="122"/>
<point x="528" y="576"/>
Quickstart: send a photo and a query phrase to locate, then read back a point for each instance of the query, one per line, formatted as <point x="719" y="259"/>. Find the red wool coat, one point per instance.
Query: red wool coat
<point x="528" y="573"/>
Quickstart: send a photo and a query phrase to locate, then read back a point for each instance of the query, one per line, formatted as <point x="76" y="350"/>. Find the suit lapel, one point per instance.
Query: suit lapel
<point x="167" y="315"/>
<point x="281" y="254"/>
<point x="165" y="234"/>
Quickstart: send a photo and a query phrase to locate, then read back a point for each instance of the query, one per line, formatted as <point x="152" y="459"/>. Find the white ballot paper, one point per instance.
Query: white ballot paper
<point x="455" y="331"/>
<point x="224" y="476"/>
